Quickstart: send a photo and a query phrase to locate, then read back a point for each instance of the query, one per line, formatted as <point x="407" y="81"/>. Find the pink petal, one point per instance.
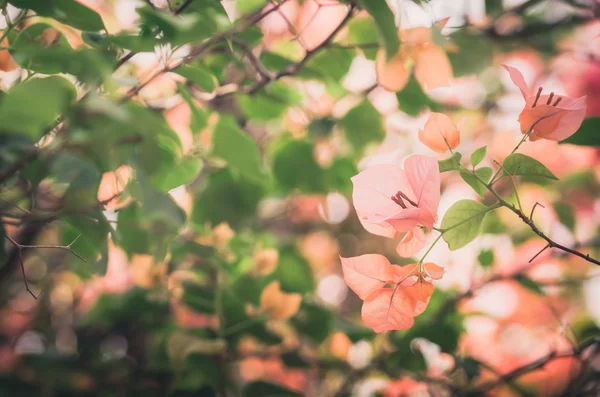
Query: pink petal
<point x="366" y="274"/>
<point x="432" y="67"/>
<point x="434" y="271"/>
<point x="518" y="79"/>
<point x="387" y="310"/>
<point x="442" y="23"/>
<point x="403" y="220"/>
<point x="439" y="133"/>
<point x="393" y="74"/>
<point x="405" y="275"/>
<point x="424" y="177"/>
<point x="554" y="122"/>
<point x="373" y="189"/>
<point x="379" y="229"/>
<point x="420" y="293"/>
<point x="411" y="243"/>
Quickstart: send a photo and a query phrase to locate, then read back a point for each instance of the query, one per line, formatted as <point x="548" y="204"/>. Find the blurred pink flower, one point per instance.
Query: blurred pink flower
<point x="390" y="200"/>
<point x="405" y="387"/>
<point x="388" y="309"/>
<point x="551" y="117"/>
<point x="431" y="63"/>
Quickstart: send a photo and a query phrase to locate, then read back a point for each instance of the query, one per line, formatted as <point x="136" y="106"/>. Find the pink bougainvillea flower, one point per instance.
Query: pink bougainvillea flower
<point x="439" y="133"/>
<point x="393" y="295"/>
<point x="390" y="200"/>
<point x="431" y="64"/>
<point x="551" y="117"/>
<point x="411" y="243"/>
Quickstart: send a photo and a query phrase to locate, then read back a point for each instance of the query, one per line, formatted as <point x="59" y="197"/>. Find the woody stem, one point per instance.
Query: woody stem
<point x="529" y="222"/>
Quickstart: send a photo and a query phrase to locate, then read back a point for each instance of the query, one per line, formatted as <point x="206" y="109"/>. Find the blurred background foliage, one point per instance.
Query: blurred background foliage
<point x="164" y="163"/>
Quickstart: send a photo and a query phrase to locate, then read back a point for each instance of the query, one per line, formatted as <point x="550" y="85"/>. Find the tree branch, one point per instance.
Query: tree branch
<point x="21" y="247"/>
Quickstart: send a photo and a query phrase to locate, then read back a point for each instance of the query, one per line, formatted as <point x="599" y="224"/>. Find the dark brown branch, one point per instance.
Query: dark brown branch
<point x="518" y="372"/>
<point x="295" y="68"/>
<point x="250" y="20"/>
<point x="256" y="63"/>
<point x="21" y="247"/>
<point x="551" y="242"/>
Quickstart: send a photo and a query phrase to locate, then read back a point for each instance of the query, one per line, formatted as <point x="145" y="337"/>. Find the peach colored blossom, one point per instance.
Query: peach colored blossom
<point x="179" y="117"/>
<point x="279" y="305"/>
<point x="389" y="200"/>
<point x="318" y="20"/>
<point x="551" y="117"/>
<point x="320" y="250"/>
<point x="431" y="64"/>
<point x="265" y="261"/>
<point x="117" y="279"/>
<point x="273" y="370"/>
<point x="439" y="133"/>
<point x="405" y="387"/>
<point x="6" y="62"/>
<point x="113" y="183"/>
<point x="411" y="243"/>
<point x="387" y="309"/>
<point x="339" y="345"/>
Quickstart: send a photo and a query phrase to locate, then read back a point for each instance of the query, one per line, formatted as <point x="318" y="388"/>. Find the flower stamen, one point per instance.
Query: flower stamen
<point x="398" y="200"/>
<point x="405" y="197"/>
<point x="550" y="98"/>
<point x="537" y="96"/>
<point x="557" y="101"/>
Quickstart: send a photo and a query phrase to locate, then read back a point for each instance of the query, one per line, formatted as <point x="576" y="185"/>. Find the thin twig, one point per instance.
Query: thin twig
<point x="295" y="68"/>
<point x="533" y="209"/>
<point x="21" y="247"/>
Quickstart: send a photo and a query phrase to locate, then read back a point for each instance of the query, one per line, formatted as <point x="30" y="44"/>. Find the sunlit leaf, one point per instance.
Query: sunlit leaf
<point x="385" y="23"/>
<point x="462" y="223"/>
<point x="520" y="164"/>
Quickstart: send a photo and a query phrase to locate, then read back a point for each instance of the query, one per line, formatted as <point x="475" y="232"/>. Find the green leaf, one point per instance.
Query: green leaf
<point x="269" y="104"/>
<point x="248" y="6"/>
<point x="471" y="366"/>
<point x="587" y="135"/>
<point x="31" y="51"/>
<point x="314" y="321"/>
<point x="238" y="149"/>
<point x="30" y="107"/>
<point x="3" y="256"/>
<point x="293" y="272"/>
<point x="295" y="167"/>
<point x="362" y="125"/>
<point x="412" y="100"/>
<point x="181" y="173"/>
<point x="234" y="321"/>
<point x="486" y="258"/>
<point x="333" y="64"/>
<point x="69" y="12"/>
<point x="265" y="389"/>
<point x="475" y="52"/>
<point x="364" y="31"/>
<point x="565" y="214"/>
<point x="528" y="283"/>
<point x="477" y="156"/>
<point x="200" y="76"/>
<point x="293" y="359"/>
<point x="451" y="163"/>
<point x="520" y="164"/>
<point x="199" y="298"/>
<point x="199" y="118"/>
<point x="484" y="173"/>
<point x="462" y="223"/>
<point x="386" y="26"/>
<point x="223" y="199"/>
